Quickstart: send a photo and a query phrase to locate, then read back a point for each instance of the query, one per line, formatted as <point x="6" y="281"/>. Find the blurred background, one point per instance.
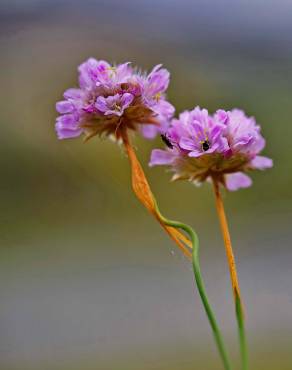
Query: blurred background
<point x="88" y="280"/>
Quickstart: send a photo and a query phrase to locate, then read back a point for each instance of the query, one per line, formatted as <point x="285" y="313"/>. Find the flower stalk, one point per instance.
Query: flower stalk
<point x="143" y="192"/>
<point x="227" y="239"/>
<point x="233" y="273"/>
<point x="201" y="288"/>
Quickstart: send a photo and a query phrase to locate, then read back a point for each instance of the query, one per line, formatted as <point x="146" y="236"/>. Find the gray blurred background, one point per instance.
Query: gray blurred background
<point x="88" y="280"/>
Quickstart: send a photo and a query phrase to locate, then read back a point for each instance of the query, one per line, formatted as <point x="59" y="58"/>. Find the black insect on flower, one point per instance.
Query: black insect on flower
<point x="166" y="141"/>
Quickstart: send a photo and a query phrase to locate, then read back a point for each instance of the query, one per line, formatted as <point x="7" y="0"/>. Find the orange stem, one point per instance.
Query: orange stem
<point x="143" y="192"/>
<point x="234" y="279"/>
<point x="227" y="239"/>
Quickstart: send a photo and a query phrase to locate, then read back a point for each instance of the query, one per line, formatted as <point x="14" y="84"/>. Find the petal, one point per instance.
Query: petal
<point x="150" y="131"/>
<point x="161" y="157"/>
<point x="101" y="104"/>
<point x="64" y="106"/>
<point x="155" y="68"/>
<point x="103" y="65"/>
<point x="196" y="153"/>
<point x="197" y="130"/>
<point x="260" y="143"/>
<point x="237" y="181"/>
<point x="67" y="134"/>
<point x="243" y="142"/>
<point x="126" y="100"/>
<point x="261" y="163"/>
<point x="87" y="73"/>
<point x="73" y="94"/>
<point x="123" y="71"/>
<point x="157" y="81"/>
<point x="200" y="115"/>
<point x="221" y="116"/>
<point x="164" y="108"/>
<point x="216" y="131"/>
<point x="187" y="144"/>
<point x="67" y="121"/>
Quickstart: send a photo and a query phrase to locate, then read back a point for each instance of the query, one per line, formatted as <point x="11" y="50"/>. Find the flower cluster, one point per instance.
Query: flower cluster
<point x="113" y="98"/>
<point x="223" y="146"/>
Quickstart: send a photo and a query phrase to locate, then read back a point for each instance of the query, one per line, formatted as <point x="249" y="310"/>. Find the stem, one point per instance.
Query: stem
<point x="201" y="288"/>
<point x="233" y="273"/>
<point x="241" y="333"/>
<point x="143" y="192"/>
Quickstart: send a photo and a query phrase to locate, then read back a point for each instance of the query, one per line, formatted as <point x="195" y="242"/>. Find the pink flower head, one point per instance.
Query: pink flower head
<point x="112" y="98"/>
<point x="223" y="146"/>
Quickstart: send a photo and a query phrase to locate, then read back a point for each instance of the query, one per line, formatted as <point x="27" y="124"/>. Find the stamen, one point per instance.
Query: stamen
<point x="112" y="71"/>
<point x="117" y="108"/>
<point x="157" y="96"/>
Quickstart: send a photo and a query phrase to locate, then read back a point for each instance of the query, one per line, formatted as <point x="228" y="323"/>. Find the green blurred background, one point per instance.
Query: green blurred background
<point x="88" y="280"/>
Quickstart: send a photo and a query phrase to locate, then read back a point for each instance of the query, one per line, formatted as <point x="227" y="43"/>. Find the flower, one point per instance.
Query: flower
<point x="113" y="98"/>
<point x="114" y="104"/>
<point x="203" y="135"/>
<point x="222" y="146"/>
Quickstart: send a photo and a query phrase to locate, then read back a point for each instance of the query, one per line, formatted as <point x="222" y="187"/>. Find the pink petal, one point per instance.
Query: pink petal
<point x="161" y="157"/>
<point x="126" y="100"/>
<point x="187" y="144"/>
<point x="196" y="153"/>
<point x="101" y="104"/>
<point x="73" y="94"/>
<point x="150" y="131"/>
<point x="67" y="134"/>
<point x="64" y="106"/>
<point x="261" y="163"/>
<point x="237" y="181"/>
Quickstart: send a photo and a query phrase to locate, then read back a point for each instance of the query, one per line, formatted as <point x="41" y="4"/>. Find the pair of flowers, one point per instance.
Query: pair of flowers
<point x="198" y="146"/>
<point x="114" y="99"/>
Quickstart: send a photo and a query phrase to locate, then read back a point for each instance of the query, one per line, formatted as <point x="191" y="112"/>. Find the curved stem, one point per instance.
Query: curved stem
<point x="143" y="192"/>
<point x="201" y="288"/>
<point x="233" y="273"/>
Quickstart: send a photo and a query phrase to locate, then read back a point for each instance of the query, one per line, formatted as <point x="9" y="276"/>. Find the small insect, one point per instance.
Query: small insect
<point x="205" y="145"/>
<point x="166" y="141"/>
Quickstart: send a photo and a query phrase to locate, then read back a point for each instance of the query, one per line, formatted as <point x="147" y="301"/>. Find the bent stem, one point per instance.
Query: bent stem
<point x="201" y="288"/>
<point x="143" y="192"/>
<point x="233" y="273"/>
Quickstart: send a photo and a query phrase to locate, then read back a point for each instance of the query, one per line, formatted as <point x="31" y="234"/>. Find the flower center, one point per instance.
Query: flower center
<point x="205" y="145"/>
<point x="117" y="107"/>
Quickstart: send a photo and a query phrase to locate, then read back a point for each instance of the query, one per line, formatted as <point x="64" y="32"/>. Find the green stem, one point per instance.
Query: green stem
<point x="201" y="287"/>
<point x="233" y="273"/>
<point x="241" y="333"/>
